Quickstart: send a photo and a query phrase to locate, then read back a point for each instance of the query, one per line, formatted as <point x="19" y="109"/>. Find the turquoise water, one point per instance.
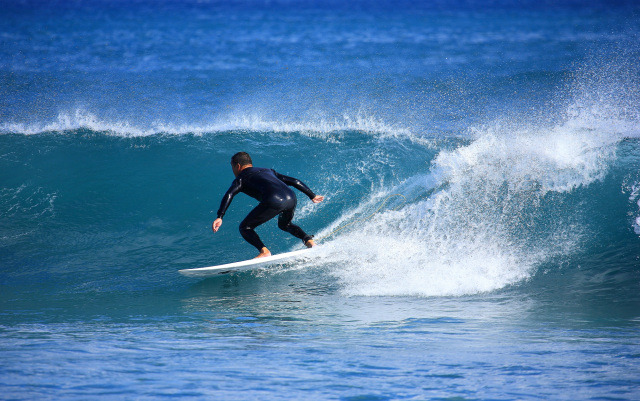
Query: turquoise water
<point x="480" y="234"/>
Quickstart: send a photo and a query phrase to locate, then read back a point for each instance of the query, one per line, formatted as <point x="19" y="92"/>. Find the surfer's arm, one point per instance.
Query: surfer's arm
<point x="299" y="185"/>
<point x="233" y="190"/>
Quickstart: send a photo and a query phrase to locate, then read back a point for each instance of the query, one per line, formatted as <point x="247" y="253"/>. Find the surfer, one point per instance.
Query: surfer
<point x="276" y="198"/>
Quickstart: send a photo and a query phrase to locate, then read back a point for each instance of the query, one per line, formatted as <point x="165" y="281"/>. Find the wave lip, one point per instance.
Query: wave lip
<point x="81" y="119"/>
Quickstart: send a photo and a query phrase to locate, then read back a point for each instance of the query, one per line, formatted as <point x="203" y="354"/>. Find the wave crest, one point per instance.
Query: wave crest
<point x="82" y="119"/>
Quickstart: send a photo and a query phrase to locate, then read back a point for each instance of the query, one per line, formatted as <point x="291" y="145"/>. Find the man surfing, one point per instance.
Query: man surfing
<point x="276" y="198"/>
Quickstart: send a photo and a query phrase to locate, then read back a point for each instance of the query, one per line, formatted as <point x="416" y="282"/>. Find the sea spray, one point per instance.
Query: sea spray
<point x="498" y="210"/>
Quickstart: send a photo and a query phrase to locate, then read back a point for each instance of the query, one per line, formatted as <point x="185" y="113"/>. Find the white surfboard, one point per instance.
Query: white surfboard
<point x="243" y="265"/>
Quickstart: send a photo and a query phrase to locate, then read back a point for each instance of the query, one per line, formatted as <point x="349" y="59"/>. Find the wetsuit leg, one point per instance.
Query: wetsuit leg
<point x="284" y="223"/>
<point x="259" y="215"/>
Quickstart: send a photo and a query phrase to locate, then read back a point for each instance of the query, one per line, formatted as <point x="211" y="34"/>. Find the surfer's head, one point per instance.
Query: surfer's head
<point x="239" y="161"/>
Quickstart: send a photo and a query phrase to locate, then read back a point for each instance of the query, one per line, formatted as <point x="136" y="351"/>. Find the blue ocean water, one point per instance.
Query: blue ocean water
<point x="481" y="229"/>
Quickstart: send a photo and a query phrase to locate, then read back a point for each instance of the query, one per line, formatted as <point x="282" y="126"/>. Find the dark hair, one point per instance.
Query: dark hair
<point x="241" y="158"/>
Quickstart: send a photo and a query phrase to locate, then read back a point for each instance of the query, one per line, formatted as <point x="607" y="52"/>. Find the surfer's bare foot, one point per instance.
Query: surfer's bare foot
<point x="264" y="252"/>
<point x="310" y="243"/>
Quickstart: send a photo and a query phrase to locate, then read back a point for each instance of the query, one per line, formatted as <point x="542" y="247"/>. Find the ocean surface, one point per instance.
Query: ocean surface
<point x="480" y="236"/>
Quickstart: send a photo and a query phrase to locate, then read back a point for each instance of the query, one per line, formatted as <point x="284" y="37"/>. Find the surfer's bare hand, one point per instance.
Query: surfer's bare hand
<point x="317" y="199"/>
<point x="216" y="224"/>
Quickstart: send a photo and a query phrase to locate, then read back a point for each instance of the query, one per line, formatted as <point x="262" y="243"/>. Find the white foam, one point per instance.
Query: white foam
<point x="76" y="120"/>
<point x="388" y="262"/>
<point x="359" y="122"/>
<point x="634" y="197"/>
<point x="323" y="128"/>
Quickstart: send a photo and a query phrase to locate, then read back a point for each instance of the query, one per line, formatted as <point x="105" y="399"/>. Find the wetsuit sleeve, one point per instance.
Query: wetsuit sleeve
<point x="233" y="190"/>
<point x="297" y="184"/>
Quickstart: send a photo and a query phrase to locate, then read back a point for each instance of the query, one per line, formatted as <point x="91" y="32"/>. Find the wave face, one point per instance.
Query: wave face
<point x="407" y="213"/>
<point x="446" y="173"/>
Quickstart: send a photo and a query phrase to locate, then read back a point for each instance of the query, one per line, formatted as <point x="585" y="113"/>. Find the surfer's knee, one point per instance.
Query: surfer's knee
<point x="244" y="228"/>
<point x="283" y="225"/>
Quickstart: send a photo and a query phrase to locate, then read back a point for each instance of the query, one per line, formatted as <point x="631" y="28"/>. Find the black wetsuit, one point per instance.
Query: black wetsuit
<point x="275" y="197"/>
